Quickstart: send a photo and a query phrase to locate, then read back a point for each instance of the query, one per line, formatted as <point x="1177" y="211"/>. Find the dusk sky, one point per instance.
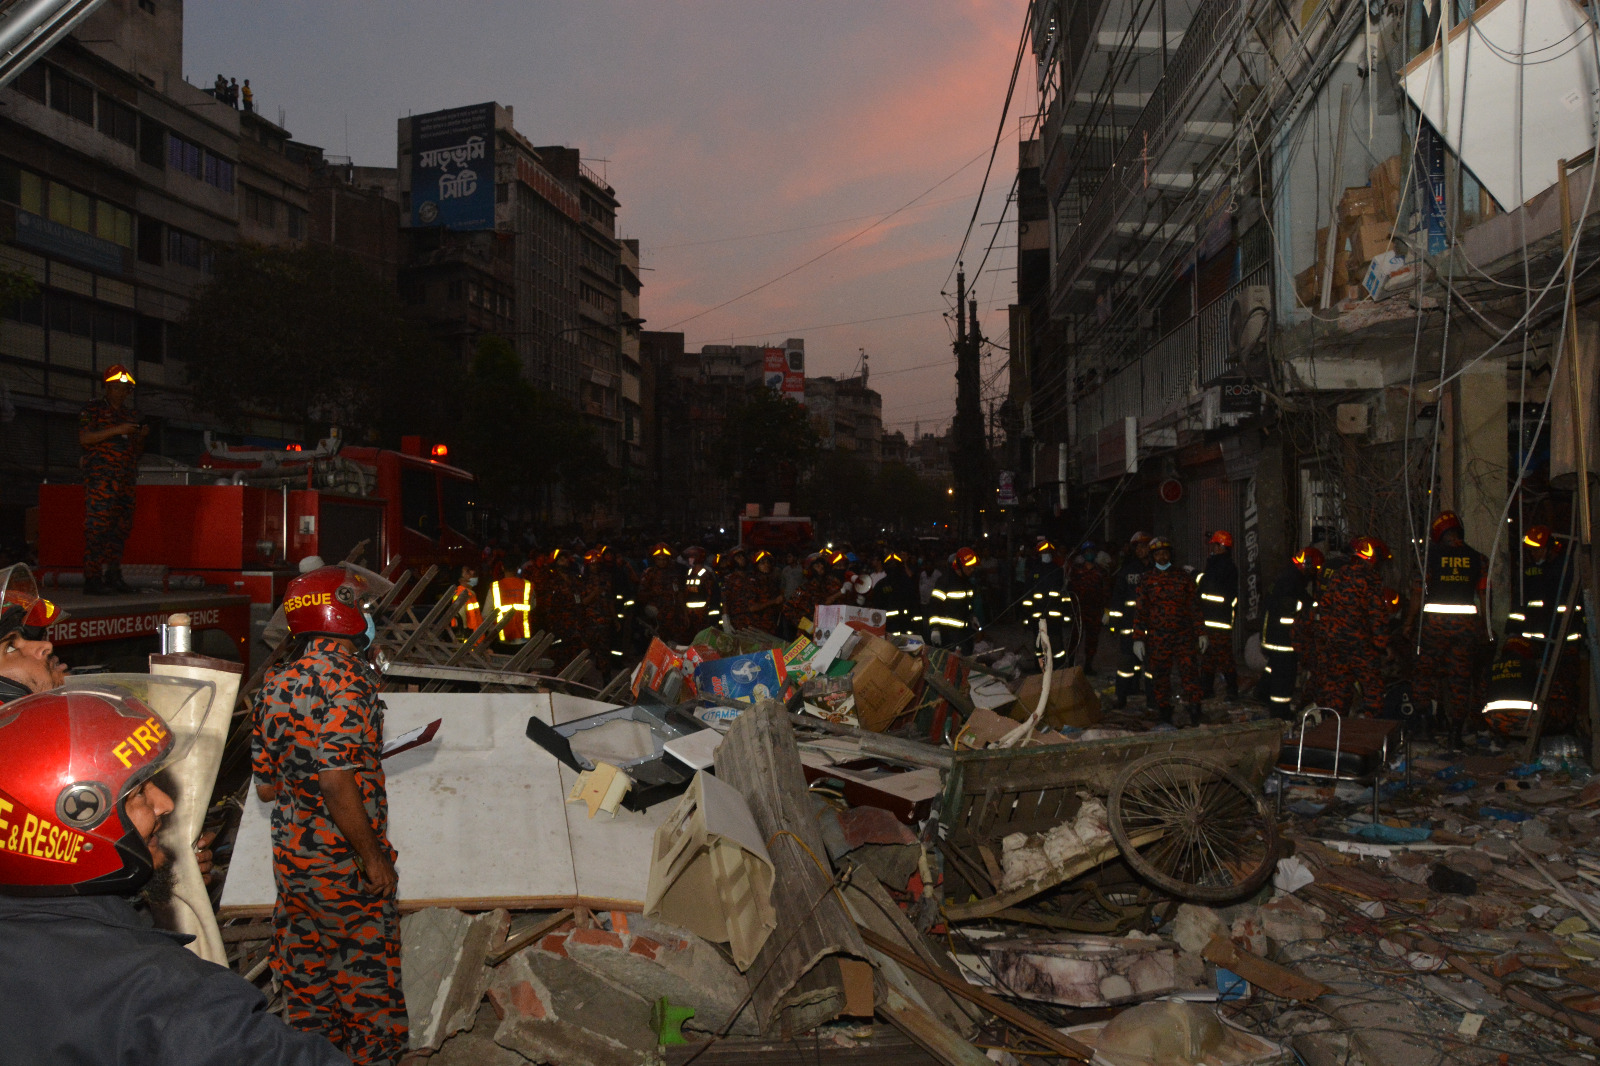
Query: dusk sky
<point x="742" y="138"/>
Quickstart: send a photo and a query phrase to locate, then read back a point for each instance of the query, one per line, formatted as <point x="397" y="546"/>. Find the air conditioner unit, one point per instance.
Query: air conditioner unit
<point x="1248" y="319"/>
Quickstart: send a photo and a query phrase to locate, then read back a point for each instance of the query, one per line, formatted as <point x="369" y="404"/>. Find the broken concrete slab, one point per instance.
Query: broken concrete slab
<point x="651" y="959"/>
<point x="475" y="1046"/>
<point x="442" y="969"/>
<point x="1082" y="971"/>
<point x="553" y="1010"/>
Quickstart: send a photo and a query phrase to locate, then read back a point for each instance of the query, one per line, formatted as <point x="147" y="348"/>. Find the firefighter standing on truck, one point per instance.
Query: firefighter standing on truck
<point x="316" y="750"/>
<point x="1451" y="634"/>
<point x="1219" y="606"/>
<point x="111" y="433"/>
<point x="1350" y="634"/>
<point x="955" y="611"/>
<point x="1121" y="614"/>
<point x="1168" y="631"/>
<point x="1046" y="601"/>
<point x="1286" y="629"/>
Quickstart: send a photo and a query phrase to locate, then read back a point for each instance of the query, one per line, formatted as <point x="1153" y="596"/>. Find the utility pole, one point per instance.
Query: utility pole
<point x="971" y="485"/>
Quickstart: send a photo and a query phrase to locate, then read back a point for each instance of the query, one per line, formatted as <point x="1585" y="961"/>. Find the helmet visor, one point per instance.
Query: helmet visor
<point x="180" y="705"/>
<point x="367" y="588"/>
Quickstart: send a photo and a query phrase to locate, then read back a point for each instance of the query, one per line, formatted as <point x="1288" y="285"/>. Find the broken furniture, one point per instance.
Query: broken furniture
<point x="1335" y="748"/>
<point x="632" y="739"/>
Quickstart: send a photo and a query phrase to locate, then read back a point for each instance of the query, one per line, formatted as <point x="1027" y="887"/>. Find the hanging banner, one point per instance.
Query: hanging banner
<point x="452" y="168"/>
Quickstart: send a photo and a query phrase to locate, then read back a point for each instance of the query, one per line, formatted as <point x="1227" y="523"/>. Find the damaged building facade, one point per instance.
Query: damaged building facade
<point x="1279" y="272"/>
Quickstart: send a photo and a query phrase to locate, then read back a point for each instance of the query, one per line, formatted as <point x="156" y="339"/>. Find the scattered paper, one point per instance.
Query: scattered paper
<point x="1292" y="875"/>
<point x="600" y="789"/>
<point x="1470" y="1024"/>
<point x="1372" y="908"/>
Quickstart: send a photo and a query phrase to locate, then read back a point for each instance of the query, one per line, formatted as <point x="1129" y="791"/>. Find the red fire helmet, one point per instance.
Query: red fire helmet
<point x="661" y="549"/>
<point x="1307" y="560"/>
<point x="22" y="609"/>
<point x="69" y="760"/>
<point x="1370" y="549"/>
<point x="1160" y="544"/>
<point x="1446" y="521"/>
<point x="1539" y="537"/>
<point x="966" y="559"/>
<point x="1222" y="537"/>
<point x="333" y="601"/>
<point x="118" y="372"/>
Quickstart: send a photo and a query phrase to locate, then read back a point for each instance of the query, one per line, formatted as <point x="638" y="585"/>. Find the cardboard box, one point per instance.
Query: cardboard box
<point x="745" y="678"/>
<point x="1388" y="274"/>
<point x="829" y="616"/>
<point x="1368" y="241"/>
<point x="1072" y="701"/>
<point x="1386" y="178"/>
<point x="710" y="871"/>
<point x="662" y="670"/>
<point x="1363" y="200"/>
<point x="885" y="682"/>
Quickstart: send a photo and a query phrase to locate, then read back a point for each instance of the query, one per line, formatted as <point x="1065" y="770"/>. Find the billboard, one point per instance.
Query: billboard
<point x="794" y="372"/>
<point x="452" y="168"/>
<point x="772" y="369"/>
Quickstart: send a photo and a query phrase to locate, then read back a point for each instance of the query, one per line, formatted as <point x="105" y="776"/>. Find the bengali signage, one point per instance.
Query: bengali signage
<point x="452" y="168"/>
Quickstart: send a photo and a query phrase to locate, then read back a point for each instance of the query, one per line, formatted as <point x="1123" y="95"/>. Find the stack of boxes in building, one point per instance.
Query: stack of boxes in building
<point x="1367" y="260"/>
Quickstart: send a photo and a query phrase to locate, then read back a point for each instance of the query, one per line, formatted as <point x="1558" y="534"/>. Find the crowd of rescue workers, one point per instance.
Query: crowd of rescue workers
<point x="1333" y="631"/>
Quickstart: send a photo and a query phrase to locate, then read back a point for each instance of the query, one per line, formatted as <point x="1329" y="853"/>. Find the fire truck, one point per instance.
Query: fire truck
<point x="221" y="539"/>
<point x="776" y="533"/>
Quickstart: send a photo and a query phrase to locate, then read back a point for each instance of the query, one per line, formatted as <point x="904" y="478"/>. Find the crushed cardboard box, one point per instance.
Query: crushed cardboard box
<point x="1072" y="700"/>
<point x="884" y="681"/>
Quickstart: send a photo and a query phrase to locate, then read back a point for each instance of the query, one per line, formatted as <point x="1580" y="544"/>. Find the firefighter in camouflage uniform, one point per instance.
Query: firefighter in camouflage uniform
<point x="1452" y="633"/>
<point x="1120" y="617"/>
<point x="1350" y="632"/>
<point x="598" y="609"/>
<point x="1168" y="630"/>
<point x="1219" y="604"/>
<point x="111" y="434"/>
<point x="315" y="752"/>
<point x="1090" y="586"/>
<point x="817" y="587"/>
<point x="661" y="590"/>
<point x="557" y="590"/>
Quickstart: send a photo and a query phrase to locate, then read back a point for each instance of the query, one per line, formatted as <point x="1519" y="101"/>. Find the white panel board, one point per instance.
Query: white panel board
<point x="480" y="813"/>
<point x="1515" y="64"/>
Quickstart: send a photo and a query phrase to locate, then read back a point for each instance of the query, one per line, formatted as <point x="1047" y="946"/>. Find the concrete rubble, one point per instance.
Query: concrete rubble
<point x="1011" y="911"/>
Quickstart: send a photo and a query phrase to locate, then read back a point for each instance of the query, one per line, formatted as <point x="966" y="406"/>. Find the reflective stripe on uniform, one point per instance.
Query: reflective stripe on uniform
<point x="1275" y="647"/>
<point x="1218" y="625"/>
<point x="1509" y="705"/>
<point x="1449" y="608"/>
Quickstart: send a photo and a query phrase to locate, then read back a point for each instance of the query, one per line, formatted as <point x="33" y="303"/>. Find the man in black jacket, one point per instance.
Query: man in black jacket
<point x="83" y="977"/>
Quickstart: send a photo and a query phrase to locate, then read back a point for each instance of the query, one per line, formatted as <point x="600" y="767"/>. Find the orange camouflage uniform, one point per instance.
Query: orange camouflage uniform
<point x="110" y="470"/>
<point x="336" y="945"/>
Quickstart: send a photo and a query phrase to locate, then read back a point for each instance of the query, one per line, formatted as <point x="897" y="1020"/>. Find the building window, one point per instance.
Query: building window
<point x="148" y="6"/>
<point x="118" y="121"/>
<point x="150" y="339"/>
<point x="219" y="172"/>
<point x="71" y="207"/>
<point x="295" y="221"/>
<point x="152" y="143"/>
<point x="149" y="250"/>
<point x="112" y="223"/>
<point x="183" y="156"/>
<point x="185" y="249"/>
<point x="259" y="207"/>
<point x="30" y="82"/>
<point x="72" y="97"/>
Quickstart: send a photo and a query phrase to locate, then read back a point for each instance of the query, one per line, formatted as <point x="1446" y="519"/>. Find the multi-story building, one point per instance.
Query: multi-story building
<point x="1269" y="296"/>
<point x="511" y="239"/>
<point x="631" y="362"/>
<point x="118" y="179"/>
<point x="847" y="415"/>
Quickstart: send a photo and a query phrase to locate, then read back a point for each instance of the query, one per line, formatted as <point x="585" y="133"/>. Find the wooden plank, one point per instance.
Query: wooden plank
<point x="906" y="751"/>
<point x="526" y="937"/>
<point x="873" y="908"/>
<point x="927" y="1032"/>
<point x="1018" y="1019"/>
<point x="760" y="759"/>
<point x="470" y="674"/>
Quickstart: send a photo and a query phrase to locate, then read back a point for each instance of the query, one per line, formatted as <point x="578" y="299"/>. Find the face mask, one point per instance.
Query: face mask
<point x="1163" y="566"/>
<point x="371" y="632"/>
<point x="472" y="582"/>
<point x="1046" y="557"/>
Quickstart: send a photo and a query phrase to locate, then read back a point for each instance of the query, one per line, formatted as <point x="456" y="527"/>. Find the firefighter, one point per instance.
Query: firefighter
<point x="1548" y="573"/>
<point x="895" y="594"/>
<point x="1046" y="600"/>
<point x="739" y="589"/>
<point x="111" y="433"/>
<point x="1451" y="633"/>
<point x="817" y="587"/>
<point x="316" y="747"/>
<point x="699" y="590"/>
<point x="1168" y="630"/>
<point x="28" y="662"/>
<point x="1285" y="629"/>
<point x="469" y="614"/>
<point x="955" y="613"/>
<point x="660" y="596"/>
<point x="769" y="585"/>
<point x="1120" y="617"/>
<point x="1349" y="632"/>
<point x="83" y="977"/>
<point x="1090" y="587"/>
<point x="622" y="581"/>
<point x="561" y="596"/>
<point x="1219" y="606"/>
<point x="511" y="603"/>
<point x="597" y="608"/>
<point x="1513" y="685"/>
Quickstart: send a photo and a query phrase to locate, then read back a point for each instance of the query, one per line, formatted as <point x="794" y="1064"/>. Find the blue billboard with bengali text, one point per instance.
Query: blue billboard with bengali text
<point x="452" y="168"/>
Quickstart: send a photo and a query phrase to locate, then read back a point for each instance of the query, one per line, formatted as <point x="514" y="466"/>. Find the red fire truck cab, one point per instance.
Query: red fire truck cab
<point x="237" y="527"/>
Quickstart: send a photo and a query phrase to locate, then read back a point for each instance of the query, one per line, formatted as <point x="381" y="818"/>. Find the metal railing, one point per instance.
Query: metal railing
<point x="1174" y="97"/>
<point x="1216" y="327"/>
